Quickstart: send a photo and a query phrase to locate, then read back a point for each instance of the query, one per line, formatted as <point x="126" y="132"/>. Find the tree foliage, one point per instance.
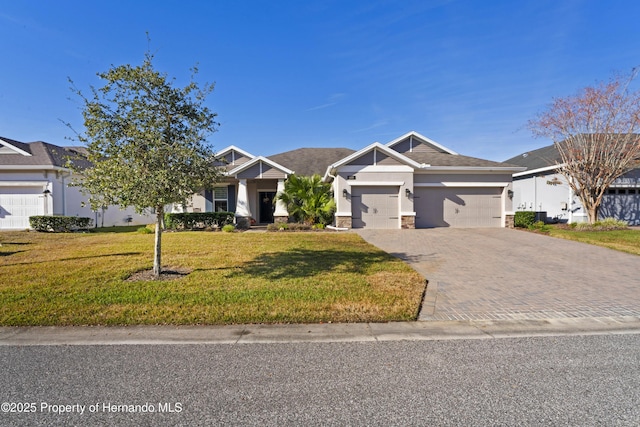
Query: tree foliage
<point x="596" y="134"/>
<point x="146" y="141"/>
<point x="308" y="199"/>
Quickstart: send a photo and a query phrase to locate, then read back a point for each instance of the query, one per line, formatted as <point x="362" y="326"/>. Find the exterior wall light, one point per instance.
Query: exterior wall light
<point x="407" y="192"/>
<point x="345" y="193"/>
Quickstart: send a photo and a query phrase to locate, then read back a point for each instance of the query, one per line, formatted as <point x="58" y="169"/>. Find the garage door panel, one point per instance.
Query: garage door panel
<point x="458" y="207"/>
<point x="374" y="207"/>
<point x="17" y="205"/>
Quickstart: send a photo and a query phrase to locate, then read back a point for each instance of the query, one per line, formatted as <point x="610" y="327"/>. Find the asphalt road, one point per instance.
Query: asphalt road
<point x="559" y="381"/>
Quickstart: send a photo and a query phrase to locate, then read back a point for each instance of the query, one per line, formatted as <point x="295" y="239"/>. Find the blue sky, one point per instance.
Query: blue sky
<point x="290" y="74"/>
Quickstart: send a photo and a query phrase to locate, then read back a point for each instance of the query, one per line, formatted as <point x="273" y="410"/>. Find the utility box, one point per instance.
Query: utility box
<point x="541" y="216"/>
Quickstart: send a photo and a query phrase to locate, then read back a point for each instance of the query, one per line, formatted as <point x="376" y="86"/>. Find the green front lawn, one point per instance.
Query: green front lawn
<point x="620" y="240"/>
<point x="80" y="279"/>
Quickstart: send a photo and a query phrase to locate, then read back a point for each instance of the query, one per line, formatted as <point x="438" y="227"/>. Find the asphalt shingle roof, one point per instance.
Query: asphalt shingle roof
<point x="446" y="159"/>
<point x="536" y="159"/>
<point x="43" y="154"/>
<point x="310" y="161"/>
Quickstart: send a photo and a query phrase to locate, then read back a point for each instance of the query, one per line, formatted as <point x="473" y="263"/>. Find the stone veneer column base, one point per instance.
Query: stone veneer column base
<point x="343" y="221"/>
<point x="243" y="222"/>
<point x="280" y="219"/>
<point x="509" y="221"/>
<point x="408" y="222"/>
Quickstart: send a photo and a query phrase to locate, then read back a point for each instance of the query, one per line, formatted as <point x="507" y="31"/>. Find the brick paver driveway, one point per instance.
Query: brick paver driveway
<point x="499" y="273"/>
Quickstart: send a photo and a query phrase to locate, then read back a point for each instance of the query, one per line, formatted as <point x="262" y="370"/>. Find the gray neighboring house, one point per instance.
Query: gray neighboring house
<point x="543" y="189"/>
<point x="34" y="180"/>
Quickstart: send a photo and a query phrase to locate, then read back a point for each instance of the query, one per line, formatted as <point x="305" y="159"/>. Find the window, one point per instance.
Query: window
<point x="611" y="191"/>
<point x="632" y="191"/>
<point x="220" y="197"/>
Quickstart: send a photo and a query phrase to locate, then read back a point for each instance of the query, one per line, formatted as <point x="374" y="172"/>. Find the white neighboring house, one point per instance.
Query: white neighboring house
<point x="541" y="188"/>
<point x="34" y="180"/>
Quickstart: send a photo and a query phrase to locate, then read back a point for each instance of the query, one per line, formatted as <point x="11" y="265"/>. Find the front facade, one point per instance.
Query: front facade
<point x="411" y="182"/>
<point x="541" y="188"/>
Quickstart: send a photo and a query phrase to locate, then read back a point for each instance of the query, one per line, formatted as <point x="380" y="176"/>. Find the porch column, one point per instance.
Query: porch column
<point x="243" y="212"/>
<point x="280" y="214"/>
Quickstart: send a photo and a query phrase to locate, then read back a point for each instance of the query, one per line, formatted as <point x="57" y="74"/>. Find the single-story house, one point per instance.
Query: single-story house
<point x="541" y="188"/>
<point x="410" y="182"/>
<point x="34" y="180"/>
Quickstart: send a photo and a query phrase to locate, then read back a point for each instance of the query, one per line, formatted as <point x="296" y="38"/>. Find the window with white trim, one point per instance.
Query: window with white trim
<point x="220" y="199"/>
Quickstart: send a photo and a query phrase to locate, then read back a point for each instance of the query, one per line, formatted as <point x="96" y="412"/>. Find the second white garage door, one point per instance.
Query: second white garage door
<point x="458" y="207"/>
<point x="375" y="207"/>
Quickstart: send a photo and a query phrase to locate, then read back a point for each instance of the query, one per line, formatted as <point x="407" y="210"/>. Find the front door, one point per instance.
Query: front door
<point x="266" y="206"/>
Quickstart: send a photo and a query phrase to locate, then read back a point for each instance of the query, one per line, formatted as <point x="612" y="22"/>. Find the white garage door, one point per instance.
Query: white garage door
<point x="375" y="207"/>
<point x="458" y="207"/>
<point x="17" y="204"/>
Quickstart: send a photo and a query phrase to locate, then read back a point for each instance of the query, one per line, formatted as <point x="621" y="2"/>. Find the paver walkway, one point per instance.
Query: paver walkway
<point x="494" y="274"/>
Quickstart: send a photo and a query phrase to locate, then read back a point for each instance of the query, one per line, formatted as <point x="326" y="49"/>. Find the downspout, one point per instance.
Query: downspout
<point x="64" y="196"/>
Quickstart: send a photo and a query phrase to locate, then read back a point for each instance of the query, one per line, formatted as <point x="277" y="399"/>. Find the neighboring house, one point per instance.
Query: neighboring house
<point x="411" y="182"/>
<point x="34" y="180"/>
<point x="543" y="189"/>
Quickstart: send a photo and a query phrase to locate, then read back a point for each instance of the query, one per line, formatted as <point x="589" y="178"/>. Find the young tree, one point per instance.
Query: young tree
<point x="308" y="199"/>
<point x="595" y="133"/>
<point x="146" y="141"/>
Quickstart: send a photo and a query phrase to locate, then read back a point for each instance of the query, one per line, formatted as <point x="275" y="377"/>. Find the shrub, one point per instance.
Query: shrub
<point x="197" y="220"/>
<point x="228" y="228"/>
<point x="539" y="226"/>
<point x="144" y="230"/>
<point x="294" y="226"/>
<point x="524" y="219"/>
<point x="606" y="224"/>
<point x="59" y="223"/>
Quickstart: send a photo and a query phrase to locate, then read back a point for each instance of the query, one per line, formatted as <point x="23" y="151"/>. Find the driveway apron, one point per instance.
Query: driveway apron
<point x="494" y="274"/>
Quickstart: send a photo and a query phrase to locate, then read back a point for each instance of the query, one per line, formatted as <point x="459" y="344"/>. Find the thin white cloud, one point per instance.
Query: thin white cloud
<point x="373" y="126"/>
<point x="333" y="100"/>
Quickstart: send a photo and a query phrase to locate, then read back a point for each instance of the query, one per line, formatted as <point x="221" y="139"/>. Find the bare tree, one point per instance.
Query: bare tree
<point x="596" y="134"/>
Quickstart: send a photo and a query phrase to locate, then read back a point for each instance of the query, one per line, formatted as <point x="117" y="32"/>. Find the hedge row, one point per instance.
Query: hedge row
<point x="197" y="220"/>
<point x="59" y="224"/>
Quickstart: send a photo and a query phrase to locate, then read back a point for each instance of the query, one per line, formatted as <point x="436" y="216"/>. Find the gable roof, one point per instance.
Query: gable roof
<point x="375" y="146"/>
<point x="234" y="148"/>
<point x="426" y="151"/>
<point x="42" y="155"/>
<point x="310" y="161"/>
<point x="15" y="146"/>
<point x="255" y="161"/>
<point x="421" y="138"/>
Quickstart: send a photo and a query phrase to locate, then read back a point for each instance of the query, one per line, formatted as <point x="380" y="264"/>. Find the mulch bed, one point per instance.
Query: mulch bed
<point x="167" y="274"/>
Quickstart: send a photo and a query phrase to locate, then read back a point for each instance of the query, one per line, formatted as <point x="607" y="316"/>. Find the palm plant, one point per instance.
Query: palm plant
<point x="308" y="199"/>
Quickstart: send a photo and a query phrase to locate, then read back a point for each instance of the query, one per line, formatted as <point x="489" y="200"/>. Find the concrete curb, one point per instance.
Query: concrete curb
<point x="305" y="333"/>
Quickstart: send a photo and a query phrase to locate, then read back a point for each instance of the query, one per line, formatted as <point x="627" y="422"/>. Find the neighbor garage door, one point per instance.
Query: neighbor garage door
<point x="17" y="204"/>
<point x="458" y="207"/>
<point x="375" y="207"/>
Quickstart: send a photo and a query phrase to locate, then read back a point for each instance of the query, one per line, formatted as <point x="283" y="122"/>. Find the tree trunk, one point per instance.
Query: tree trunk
<point x="592" y="211"/>
<point x="157" y="254"/>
